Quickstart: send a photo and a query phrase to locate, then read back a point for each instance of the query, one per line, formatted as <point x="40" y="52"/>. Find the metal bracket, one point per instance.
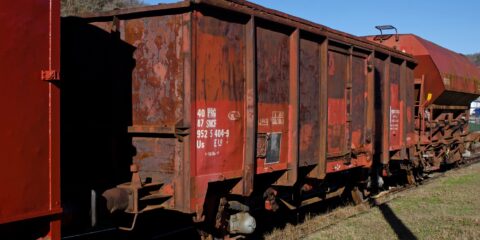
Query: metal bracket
<point x="133" y="224"/>
<point x="115" y="27"/>
<point x="49" y="75"/>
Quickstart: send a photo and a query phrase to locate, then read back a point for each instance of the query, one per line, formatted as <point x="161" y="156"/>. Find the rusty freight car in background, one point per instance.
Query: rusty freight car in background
<point x="223" y="107"/>
<point x="29" y="123"/>
<point x="445" y="84"/>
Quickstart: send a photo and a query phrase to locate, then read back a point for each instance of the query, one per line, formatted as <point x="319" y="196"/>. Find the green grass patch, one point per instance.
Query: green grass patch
<point x="473" y="127"/>
<point x="462" y="180"/>
<point x="446" y="208"/>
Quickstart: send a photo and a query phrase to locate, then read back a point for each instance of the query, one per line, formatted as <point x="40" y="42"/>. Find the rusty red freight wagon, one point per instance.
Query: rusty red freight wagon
<point x="29" y="124"/>
<point x="445" y="84"/>
<point x="227" y="102"/>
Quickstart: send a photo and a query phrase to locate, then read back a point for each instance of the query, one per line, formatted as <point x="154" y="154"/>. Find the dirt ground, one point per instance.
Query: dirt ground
<point x="445" y="208"/>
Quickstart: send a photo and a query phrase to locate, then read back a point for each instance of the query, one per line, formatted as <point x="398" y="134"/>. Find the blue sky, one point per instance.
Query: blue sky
<point x="449" y="23"/>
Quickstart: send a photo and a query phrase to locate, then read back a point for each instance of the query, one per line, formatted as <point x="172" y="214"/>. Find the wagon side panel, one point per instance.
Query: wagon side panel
<point x="273" y="69"/>
<point x="220" y="92"/>
<point x="359" y="102"/>
<point x="337" y="138"/>
<point x="309" y="112"/>
<point x="395" y="118"/>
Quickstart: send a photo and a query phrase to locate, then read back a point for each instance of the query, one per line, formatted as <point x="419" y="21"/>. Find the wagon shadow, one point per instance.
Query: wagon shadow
<point x="400" y="229"/>
<point x="96" y="149"/>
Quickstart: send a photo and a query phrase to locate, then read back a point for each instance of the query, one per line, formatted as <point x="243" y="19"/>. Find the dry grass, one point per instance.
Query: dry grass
<point x="447" y="208"/>
<point x="312" y="224"/>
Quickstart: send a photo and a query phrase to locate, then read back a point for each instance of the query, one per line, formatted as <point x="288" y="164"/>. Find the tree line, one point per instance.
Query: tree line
<point x="75" y="7"/>
<point x="475" y="58"/>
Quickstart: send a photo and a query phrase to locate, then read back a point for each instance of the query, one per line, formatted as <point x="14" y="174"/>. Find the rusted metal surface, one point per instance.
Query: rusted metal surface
<point x="296" y="22"/>
<point x="219" y="111"/>
<point x="310" y="102"/>
<point x="220" y="76"/>
<point x="257" y="11"/>
<point x="226" y="92"/>
<point x="359" y="102"/>
<point x="382" y="106"/>
<point x="29" y="126"/>
<point x="182" y="192"/>
<point x="396" y="116"/>
<point x="320" y="170"/>
<point x="250" y="109"/>
<point x="445" y="71"/>
<point x="410" y="105"/>
<point x="160" y="43"/>
<point x="293" y="127"/>
<point x="150" y="156"/>
<point x="445" y="84"/>
<point x="394" y="127"/>
<point x="337" y="142"/>
<point x="457" y="73"/>
<point x="273" y="94"/>
<point x="157" y="90"/>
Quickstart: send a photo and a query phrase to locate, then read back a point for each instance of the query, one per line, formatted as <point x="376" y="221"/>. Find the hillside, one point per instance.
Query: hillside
<point x="475" y="58"/>
<point x="74" y="7"/>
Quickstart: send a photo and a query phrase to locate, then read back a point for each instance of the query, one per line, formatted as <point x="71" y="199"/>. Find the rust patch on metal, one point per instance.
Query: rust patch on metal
<point x="157" y="80"/>
<point x="220" y="93"/>
<point x="273" y="70"/>
<point x="359" y="101"/>
<point x="309" y="102"/>
<point x="337" y="106"/>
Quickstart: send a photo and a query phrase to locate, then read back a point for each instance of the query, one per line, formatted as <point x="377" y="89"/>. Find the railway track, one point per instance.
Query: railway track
<point x="384" y="197"/>
<point x="387" y="196"/>
<point x="328" y="216"/>
<point x="323" y="209"/>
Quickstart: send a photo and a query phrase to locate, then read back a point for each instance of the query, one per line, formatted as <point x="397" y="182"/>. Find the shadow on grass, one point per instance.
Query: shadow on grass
<point x="396" y="223"/>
